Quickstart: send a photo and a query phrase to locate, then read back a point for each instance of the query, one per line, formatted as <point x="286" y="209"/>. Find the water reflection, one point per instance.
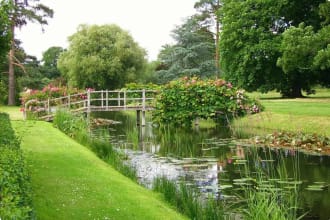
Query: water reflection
<point x="212" y="160"/>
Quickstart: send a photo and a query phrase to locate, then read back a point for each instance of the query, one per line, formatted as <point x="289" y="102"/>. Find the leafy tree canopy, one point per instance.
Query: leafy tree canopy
<point x="49" y="60"/>
<point x="102" y="57"/>
<point x="192" y="55"/>
<point x="5" y="7"/>
<point x="256" y="50"/>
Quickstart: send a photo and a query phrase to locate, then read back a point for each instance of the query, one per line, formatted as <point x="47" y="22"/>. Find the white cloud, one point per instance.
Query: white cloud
<point x="150" y="22"/>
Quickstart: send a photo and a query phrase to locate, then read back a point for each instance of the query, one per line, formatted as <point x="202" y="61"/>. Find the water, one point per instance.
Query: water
<point x="211" y="160"/>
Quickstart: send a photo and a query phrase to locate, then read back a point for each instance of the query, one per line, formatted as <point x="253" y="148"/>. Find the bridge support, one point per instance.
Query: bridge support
<point x="140" y="118"/>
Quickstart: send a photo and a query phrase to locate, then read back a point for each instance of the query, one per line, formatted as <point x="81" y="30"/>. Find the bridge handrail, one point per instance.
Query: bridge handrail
<point x="87" y="101"/>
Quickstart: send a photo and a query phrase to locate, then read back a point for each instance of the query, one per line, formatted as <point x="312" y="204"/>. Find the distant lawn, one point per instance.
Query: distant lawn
<point x="303" y="107"/>
<point x="71" y="182"/>
<point x="13" y="111"/>
<point x="309" y="115"/>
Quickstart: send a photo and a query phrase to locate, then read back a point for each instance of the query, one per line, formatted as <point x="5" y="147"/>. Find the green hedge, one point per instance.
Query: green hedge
<point x="15" y="190"/>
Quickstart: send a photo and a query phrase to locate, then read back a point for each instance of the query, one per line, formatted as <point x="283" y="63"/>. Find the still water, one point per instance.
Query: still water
<point x="213" y="161"/>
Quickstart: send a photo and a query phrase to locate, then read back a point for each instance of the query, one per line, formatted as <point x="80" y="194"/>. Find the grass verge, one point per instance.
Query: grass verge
<point x="71" y="182"/>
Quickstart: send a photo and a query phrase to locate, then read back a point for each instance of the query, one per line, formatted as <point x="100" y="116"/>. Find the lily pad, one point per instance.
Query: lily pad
<point x="223" y="187"/>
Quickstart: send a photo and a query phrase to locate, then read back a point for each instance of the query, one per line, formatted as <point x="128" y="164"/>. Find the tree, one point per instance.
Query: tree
<point x="22" y="12"/>
<point x="305" y="58"/>
<point x="298" y="49"/>
<point x="209" y="15"/>
<point x="49" y="62"/>
<point x="322" y="59"/>
<point x="251" y="42"/>
<point x="4" y="28"/>
<point x="192" y="55"/>
<point x="102" y="57"/>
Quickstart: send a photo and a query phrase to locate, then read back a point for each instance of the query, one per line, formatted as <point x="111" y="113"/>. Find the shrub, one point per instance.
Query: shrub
<point x="48" y="92"/>
<point x="182" y="101"/>
<point x="15" y="190"/>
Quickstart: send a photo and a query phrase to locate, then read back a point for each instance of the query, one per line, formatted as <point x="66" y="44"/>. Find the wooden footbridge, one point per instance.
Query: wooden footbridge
<point x="94" y="101"/>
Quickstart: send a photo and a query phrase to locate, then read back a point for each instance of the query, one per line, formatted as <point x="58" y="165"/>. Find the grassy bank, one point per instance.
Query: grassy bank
<point x="308" y="115"/>
<point x="71" y="182"/>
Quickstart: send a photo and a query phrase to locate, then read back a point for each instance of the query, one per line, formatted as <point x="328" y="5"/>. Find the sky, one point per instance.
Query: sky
<point x="150" y="22"/>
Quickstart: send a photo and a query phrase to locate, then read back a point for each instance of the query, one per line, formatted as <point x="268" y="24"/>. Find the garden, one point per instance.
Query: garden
<point x="196" y="153"/>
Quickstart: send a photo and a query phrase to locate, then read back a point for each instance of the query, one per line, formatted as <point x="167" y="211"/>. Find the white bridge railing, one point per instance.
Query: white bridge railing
<point x="91" y="101"/>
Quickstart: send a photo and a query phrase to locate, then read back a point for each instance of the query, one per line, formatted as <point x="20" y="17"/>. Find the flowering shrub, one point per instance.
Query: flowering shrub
<point x="48" y="92"/>
<point x="37" y="108"/>
<point x="183" y="100"/>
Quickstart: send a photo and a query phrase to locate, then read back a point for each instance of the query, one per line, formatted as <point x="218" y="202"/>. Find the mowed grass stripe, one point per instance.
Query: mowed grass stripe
<point x="70" y="182"/>
<point x="303" y="107"/>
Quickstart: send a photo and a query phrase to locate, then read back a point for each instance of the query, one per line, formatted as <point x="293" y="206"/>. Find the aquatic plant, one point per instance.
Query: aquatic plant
<point x="268" y="190"/>
<point x="311" y="143"/>
<point x="188" y="201"/>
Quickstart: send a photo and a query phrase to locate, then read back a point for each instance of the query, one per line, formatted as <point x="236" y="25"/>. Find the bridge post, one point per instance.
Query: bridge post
<point x="48" y="106"/>
<point x="88" y="101"/>
<point x="69" y="101"/>
<point x="107" y="99"/>
<point x="102" y="99"/>
<point x="144" y="99"/>
<point x="143" y="120"/>
<point x="140" y="118"/>
<point x="119" y="102"/>
<point x="125" y="100"/>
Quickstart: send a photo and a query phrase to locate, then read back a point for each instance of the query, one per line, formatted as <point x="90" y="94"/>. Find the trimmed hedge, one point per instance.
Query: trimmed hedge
<point x="15" y="190"/>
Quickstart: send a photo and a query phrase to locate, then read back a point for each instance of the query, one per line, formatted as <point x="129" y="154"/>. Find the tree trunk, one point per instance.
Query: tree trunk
<point x="217" y="37"/>
<point x="217" y="54"/>
<point x="296" y="92"/>
<point x="11" y="81"/>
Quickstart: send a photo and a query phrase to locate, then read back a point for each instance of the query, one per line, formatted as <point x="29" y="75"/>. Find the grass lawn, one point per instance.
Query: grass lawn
<point x="13" y="111"/>
<point x="308" y="115"/>
<point x="71" y="182"/>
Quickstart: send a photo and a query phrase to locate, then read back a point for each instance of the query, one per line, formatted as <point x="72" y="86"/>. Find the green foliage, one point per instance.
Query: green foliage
<point x="3" y="91"/>
<point x="182" y="101"/>
<point x="140" y="86"/>
<point x="22" y="12"/>
<point x="15" y="191"/>
<point x="49" y="58"/>
<point x="48" y="92"/>
<point x="192" y="55"/>
<point x="268" y="190"/>
<point x="186" y="200"/>
<point x="102" y="57"/>
<point x="251" y="43"/>
<point x="4" y="28"/>
<point x="305" y="59"/>
<point x="310" y="143"/>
